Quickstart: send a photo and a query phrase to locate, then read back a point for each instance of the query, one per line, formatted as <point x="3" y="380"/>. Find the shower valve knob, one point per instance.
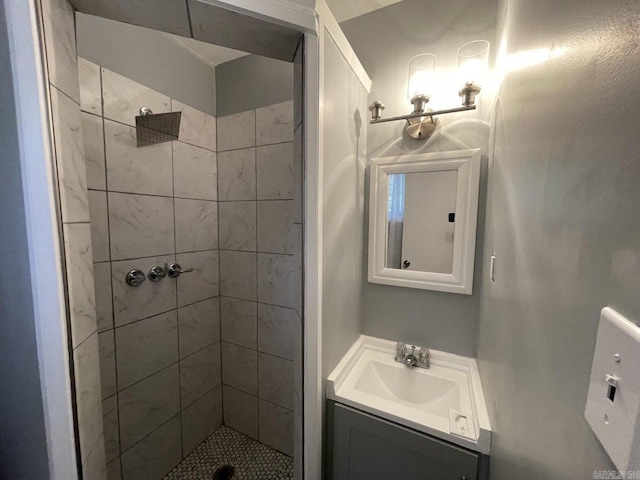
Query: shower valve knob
<point x="175" y="270"/>
<point x="135" y="277"/>
<point x="156" y="273"/>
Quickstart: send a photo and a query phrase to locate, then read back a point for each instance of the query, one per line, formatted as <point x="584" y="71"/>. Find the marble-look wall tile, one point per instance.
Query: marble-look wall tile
<point x="237" y="175"/>
<point x="200" y="373"/>
<point x="237" y="131"/>
<point x="60" y="45"/>
<point x="104" y="299"/>
<point x="276" y="231"/>
<point x="145" y="347"/>
<point x="277" y="280"/>
<point x="99" y="225"/>
<point x="275" y="172"/>
<point x="107" y="363"/>
<point x="111" y="427"/>
<point x="194" y="172"/>
<point x="149" y="298"/>
<point x="114" y="470"/>
<point x="146" y="405"/>
<point x="89" y="404"/>
<point x="77" y="243"/>
<point x="140" y="225"/>
<point x="276" y="329"/>
<point x="133" y="169"/>
<point x="240" y="411"/>
<point x="238" y="226"/>
<point x="275" y="382"/>
<point x="276" y="427"/>
<point x="201" y="419"/>
<point x="203" y="282"/>
<point x="238" y="274"/>
<point x="69" y="158"/>
<point x="90" y="86"/>
<point x="196" y="225"/>
<point x="93" y="144"/>
<point x="95" y="468"/>
<point x="198" y="325"/>
<point x="240" y="368"/>
<point x="123" y="98"/>
<point x="239" y="322"/>
<point x="196" y="127"/>
<point x="274" y="124"/>
<point x="155" y="455"/>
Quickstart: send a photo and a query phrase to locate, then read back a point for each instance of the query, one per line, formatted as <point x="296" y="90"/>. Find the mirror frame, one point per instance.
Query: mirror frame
<point x="467" y="163"/>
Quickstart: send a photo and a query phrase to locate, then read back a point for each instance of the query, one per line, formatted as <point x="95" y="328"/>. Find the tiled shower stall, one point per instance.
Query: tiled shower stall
<point x="158" y="367"/>
<point x="180" y="357"/>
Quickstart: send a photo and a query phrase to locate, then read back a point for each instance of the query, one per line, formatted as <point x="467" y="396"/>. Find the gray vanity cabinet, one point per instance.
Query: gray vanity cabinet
<point x="369" y="448"/>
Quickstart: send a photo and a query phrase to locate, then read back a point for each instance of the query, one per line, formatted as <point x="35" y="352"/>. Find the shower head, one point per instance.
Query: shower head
<point x="152" y="128"/>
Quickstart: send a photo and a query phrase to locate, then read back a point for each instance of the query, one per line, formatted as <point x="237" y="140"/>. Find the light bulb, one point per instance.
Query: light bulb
<point x="473" y="62"/>
<point x="421" y="75"/>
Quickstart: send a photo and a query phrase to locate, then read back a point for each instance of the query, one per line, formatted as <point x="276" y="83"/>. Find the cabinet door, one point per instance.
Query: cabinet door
<point x="369" y="448"/>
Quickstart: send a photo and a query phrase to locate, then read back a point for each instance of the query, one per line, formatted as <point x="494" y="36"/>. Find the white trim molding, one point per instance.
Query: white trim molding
<point x="43" y="235"/>
<point x="467" y="164"/>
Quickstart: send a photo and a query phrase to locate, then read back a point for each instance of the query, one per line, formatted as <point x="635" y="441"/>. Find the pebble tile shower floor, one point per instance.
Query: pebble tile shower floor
<point x="252" y="460"/>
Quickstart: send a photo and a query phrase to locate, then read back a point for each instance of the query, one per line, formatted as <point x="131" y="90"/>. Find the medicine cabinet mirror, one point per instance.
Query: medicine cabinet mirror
<point x="422" y="220"/>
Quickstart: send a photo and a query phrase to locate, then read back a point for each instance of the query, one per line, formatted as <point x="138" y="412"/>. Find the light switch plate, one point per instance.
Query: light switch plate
<point x="613" y="402"/>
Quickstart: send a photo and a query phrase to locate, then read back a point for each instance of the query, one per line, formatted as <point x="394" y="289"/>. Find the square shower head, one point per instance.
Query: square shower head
<point x="157" y="128"/>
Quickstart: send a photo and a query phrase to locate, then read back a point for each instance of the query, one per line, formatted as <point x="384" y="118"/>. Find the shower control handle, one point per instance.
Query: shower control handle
<point x="135" y="277"/>
<point x="156" y="273"/>
<point x="175" y="270"/>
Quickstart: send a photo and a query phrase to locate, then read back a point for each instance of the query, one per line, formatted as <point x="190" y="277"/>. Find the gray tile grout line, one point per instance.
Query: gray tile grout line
<point x="255" y="146"/>
<point x="257" y="301"/>
<point x="260" y="399"/>
<point x="257" y="277"/>
<point x="121" y="192"/>
<point x="161" y="369"/>
<point x="164" y="312"/>
<point x="219" y="271"/>
<point x="196" y="251"/>
<point x="115" y="350"/>
<point x="175" y="259"/>
<point x="222" y="340"/>
<point x="85" y="340"/>
<point x="148" y="434"/>
<point x="64" y="93"/>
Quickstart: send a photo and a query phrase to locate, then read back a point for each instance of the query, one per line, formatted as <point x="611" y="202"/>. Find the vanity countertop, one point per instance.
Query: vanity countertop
<point x="445" y="401"/>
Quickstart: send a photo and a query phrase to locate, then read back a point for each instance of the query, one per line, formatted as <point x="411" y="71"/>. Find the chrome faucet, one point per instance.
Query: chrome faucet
<point x="422" y="359"/>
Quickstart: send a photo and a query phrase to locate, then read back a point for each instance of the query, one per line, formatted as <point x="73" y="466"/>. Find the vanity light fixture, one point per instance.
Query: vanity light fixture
<point x="472" y="71"/>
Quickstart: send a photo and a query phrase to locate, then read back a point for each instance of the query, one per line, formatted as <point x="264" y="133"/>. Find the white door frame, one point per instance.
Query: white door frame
<point x="43" y="235"/>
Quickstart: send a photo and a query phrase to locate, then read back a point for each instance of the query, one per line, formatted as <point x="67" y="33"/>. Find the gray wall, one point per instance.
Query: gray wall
<point x="149" y="57"/>
<point x="345" y="140"/>
<point x="252" y="82"/>
<point x="564" y="221"/>
<point x="385" y="41"/>
<point x="22" y="435"/>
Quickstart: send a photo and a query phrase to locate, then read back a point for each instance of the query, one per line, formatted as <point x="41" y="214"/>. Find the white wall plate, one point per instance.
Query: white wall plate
<point x="613" y="402"/>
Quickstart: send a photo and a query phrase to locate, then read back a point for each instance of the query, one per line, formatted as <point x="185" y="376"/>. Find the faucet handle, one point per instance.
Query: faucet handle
<point x="423" y="358"/>
<point x="401" y="351"/>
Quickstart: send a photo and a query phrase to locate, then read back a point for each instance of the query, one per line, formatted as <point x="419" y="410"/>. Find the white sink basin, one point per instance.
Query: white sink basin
<point x="445" y="401"/>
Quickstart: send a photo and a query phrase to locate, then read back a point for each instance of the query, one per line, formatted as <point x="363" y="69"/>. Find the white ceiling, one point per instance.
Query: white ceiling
<point x="348" y="9"/>
<point x="209" y="53"/>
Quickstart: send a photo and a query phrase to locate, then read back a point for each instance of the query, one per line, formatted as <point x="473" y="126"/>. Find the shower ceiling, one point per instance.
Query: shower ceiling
<point x="346" y="10"/>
